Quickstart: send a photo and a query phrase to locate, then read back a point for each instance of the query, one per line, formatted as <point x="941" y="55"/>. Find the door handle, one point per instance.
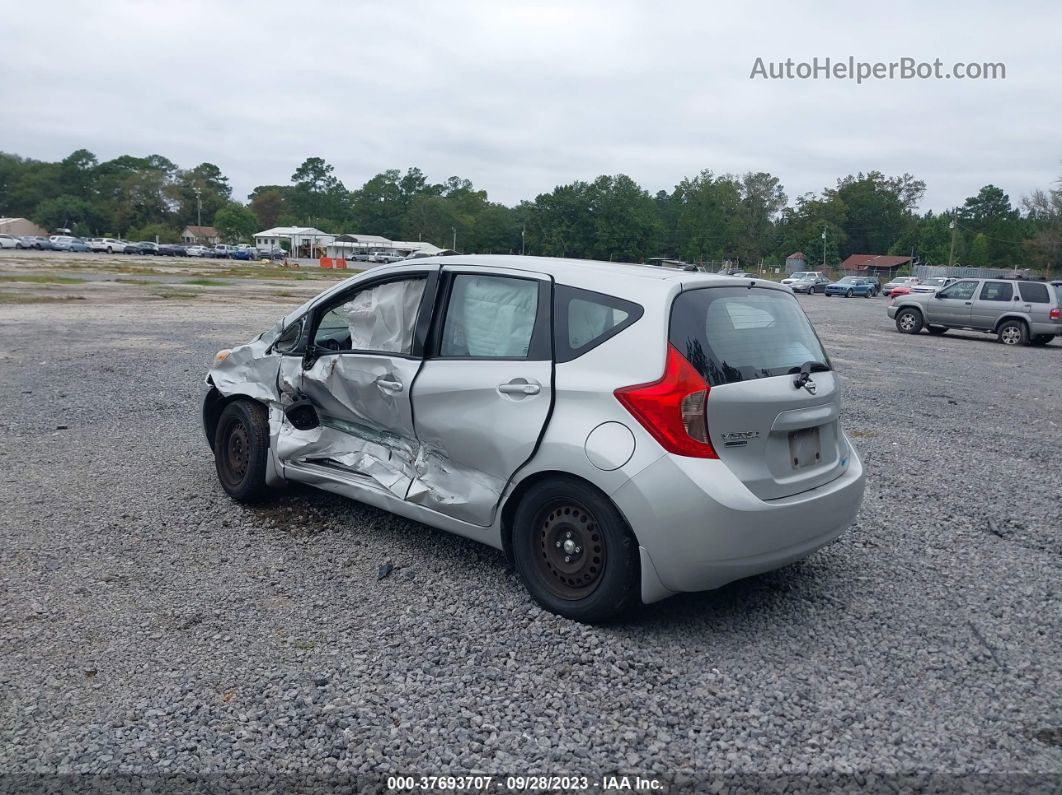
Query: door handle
<point x="519" y="387"/>
<point x="390" y="386"/>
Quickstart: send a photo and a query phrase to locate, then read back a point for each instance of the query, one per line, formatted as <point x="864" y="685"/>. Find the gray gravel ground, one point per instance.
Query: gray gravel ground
<point x="149" y="625"/>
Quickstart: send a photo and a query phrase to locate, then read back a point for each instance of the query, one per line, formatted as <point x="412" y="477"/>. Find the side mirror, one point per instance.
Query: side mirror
<point x="937" y="295"/>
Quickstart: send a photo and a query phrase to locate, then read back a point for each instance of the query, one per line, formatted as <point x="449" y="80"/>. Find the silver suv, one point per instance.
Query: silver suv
<point x="1018" y="312"/>
<point x="620" y="431"/>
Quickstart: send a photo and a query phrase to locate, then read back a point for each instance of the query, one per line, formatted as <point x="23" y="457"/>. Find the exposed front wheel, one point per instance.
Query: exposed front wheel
<point x="1013" y="332"/>
<point x="574" y="552"/>
<point x="909" y="321"/>
<point x="848" y="294"/>
<point x="241" y="444"/>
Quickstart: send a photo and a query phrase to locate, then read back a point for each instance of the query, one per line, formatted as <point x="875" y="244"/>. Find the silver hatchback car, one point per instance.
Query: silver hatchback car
<point x="622" y="432"/>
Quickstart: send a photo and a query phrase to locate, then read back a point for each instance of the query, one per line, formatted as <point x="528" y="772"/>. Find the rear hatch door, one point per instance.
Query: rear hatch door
<point x="774" y="404"/>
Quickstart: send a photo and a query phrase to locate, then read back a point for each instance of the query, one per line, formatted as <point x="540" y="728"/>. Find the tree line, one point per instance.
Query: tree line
<point x="747" y="219"/>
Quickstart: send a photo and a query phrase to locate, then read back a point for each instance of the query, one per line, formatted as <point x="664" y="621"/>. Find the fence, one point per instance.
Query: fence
<point x="961" y="272"/>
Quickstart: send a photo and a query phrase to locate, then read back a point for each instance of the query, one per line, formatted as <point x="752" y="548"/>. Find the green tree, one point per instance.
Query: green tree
<point x="268" y="206"/>
<point x="235" y="223"/>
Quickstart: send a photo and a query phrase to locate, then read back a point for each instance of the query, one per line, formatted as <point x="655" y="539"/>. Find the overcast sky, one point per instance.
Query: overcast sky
<point x="520" y="97"/>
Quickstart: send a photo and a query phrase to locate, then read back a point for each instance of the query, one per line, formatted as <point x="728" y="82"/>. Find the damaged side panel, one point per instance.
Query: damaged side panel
<point x="366" y="423"/>
<point x="248" y="371"/>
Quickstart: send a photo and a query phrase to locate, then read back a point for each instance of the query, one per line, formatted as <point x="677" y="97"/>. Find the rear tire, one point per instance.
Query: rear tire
<point x="574" y="552"/>
<point x="869" y="294"/>
<point x="909" y="321"/>
<point x="241" y="444"/>
<point x="1041" y="339"/>
<point x="848" y="294"/>
<point x="936" y="331"/>
<point x="1012" y="332"/>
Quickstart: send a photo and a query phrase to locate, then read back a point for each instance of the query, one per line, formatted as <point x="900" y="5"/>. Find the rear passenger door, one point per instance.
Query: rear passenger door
<point x="995" y="298"/>
<point x="485" y="390"/>
<point x="952" y="305"/>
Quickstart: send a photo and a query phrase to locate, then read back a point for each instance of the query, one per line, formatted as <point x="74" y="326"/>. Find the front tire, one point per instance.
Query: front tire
<point x="1013" y="332"/>
<point x="909" y="321"/>
<point x="574" y="552"/>
<point x="241" y="444"/>
<point x="848" y="294"/>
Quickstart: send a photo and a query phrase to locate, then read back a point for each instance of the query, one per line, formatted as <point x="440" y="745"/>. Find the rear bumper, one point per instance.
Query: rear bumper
<point x="701" y="528"/>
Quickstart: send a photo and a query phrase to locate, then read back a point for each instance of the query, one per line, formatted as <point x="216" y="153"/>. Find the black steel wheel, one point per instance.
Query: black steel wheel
<point x="241" y="444"/>
<point x="574" y="552"/>
<point x="571" y="549"/>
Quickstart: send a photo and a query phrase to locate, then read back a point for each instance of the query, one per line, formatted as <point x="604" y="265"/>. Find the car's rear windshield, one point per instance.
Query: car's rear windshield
<point x="732" y="334"/>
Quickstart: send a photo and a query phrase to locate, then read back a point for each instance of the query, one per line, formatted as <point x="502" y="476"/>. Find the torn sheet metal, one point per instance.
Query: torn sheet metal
<point x="445" y="486"/>
<point x="386" y="461"/>
<point x="366" y="428"/>
<point x="248" y="371"/>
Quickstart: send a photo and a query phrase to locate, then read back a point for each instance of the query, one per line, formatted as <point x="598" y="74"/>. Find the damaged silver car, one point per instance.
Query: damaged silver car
<point x="621" y="432"/>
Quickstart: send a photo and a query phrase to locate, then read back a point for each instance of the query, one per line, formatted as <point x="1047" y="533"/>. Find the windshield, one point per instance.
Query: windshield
<point x="850" y="280"/>
<point x="732" y="334"/>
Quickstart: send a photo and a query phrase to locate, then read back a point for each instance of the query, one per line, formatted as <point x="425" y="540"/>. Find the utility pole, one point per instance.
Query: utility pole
<point x="824" y="248"/>
<point x="454" y="230"/>
<point x="951" y="252"/>
<point x="198" y="207"/>
<point x="523" y="231"/>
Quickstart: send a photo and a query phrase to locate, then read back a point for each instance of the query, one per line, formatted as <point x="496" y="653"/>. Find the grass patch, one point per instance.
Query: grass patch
<point x="134" y="281"/>
<point x="15" y="298"/>
<point x="177" y="295"/>
<point x="44" y="278"/>
<point x="206" y="282"/>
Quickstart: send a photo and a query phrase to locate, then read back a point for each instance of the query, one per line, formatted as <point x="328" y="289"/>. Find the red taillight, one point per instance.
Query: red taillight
<point x="1055" y="314"/>
<point x="673" y="409"/>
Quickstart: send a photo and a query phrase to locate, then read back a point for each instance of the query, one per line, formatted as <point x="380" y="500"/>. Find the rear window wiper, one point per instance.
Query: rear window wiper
<point x="805" y="370"/>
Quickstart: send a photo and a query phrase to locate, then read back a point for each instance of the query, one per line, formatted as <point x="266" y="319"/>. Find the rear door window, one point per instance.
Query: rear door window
<point x="1034" y="292"/>
<point x="997" y="291"/>
<point x="732" y="334"/>
<point x="490" y="317"/>
<point x="584" y="319"/>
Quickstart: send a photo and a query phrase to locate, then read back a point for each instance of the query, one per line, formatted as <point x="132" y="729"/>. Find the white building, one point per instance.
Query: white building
<point x="302" y="241"/>
<point x="346" y="246"/>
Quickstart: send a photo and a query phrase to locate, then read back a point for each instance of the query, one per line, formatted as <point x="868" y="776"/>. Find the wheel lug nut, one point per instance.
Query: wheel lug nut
<point x="568" y="534"/>
<point x="578" y="550"/>
<point x="558" y="543"/>
<point x="567" y="559"/>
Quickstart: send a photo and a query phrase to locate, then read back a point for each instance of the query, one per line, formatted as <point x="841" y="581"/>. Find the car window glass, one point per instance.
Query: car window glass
<point x="490" y="317"/>
<point x="962" y="290"/>
<point x="997" y="291"/>
<point x="1034" y="292"/>
<point x="379" y="318"/>
<point x="584" y="319"/>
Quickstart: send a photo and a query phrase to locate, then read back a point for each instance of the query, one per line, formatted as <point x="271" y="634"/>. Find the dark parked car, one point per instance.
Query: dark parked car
<point x="146" y="247"/>
<point x="171" y="250"/>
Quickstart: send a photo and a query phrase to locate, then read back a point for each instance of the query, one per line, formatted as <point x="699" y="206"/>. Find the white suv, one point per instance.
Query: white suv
<point x="107" y="245"/>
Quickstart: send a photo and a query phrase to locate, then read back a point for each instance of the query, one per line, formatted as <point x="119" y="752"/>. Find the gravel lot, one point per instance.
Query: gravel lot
<point x="149" y="625"/>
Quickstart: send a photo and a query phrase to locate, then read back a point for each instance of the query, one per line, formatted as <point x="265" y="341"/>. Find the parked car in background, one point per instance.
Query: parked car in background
<point x="896" y="292"/>
<point x="244" y="253"/>
<point x="851" y="285"/>
<point x="147" y="247"/>
<point x="10" y="241"/>
<point x="37" y="242"/>
<point x="68" y="243"/>
<point x="898" y="281"/>
<point x="197" y="251"/>
<point x="1017" y="312"/>
<point x="107" y="245"/>
<point x="223" y="251"/>
<point x="171" y="250"/>
<point x="807" y="282"/>
<point x="874" y="280"/>
<point x="689" y="472"/>
<point x="931" y="285"/>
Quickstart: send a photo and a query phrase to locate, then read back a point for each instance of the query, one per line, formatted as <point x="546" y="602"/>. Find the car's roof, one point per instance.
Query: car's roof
<point x="600" y="275"/>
